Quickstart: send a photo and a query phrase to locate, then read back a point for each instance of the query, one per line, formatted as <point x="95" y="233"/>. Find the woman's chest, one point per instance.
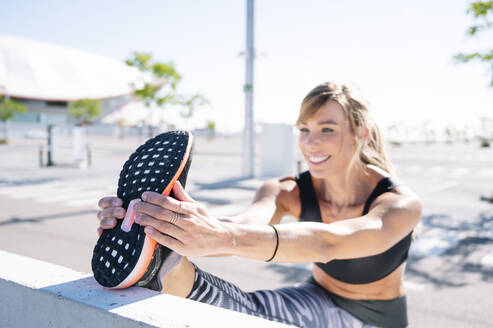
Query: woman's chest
<point x="331" y="213"/>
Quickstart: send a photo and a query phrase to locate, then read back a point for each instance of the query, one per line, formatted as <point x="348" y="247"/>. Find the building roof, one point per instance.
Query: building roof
<point x="43" y="71"/>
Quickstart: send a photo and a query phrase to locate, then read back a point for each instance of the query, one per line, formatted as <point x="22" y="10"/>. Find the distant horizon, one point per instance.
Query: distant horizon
<point x="400" y="56"/>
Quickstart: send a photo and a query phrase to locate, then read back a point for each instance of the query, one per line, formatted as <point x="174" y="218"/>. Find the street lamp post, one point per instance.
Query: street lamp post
<point x="248" y="130"/>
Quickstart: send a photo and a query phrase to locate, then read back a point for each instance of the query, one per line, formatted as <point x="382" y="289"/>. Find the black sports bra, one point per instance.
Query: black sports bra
<point x="361" y="270"/>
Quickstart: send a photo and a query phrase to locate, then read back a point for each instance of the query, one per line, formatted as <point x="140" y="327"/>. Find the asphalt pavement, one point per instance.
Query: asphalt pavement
<point x="49" y="213"/>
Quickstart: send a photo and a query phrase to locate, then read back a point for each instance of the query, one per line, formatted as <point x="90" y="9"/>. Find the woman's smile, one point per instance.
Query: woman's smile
<point x="318" y="160"/>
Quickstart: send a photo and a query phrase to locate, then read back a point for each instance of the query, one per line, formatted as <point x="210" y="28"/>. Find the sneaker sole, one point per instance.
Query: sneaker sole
<point x="120" y="258"/>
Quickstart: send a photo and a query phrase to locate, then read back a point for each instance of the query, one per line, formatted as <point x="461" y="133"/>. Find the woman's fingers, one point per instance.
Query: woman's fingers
<point x="109" y="201"/>
<point x="180" y="193"/>
<point x="111" y="212"/>
<point x="107" y="223"/>
<point x="156" y="212"/>
<point x="168" y="203"/>
<point x="162" y="226"/>
<point x="164" y="240"/>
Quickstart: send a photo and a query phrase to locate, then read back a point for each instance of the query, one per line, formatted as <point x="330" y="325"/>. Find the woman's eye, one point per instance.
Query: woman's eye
<point x="327" y="130"/>
<point x="303" y="130"/>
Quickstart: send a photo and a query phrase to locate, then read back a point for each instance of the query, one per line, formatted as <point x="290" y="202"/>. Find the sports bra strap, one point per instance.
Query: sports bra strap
<point x="383" y="186"/>
<point x="310" y="209"/>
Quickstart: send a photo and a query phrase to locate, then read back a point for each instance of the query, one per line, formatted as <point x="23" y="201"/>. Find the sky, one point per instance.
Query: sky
<point x="398" y="54"/>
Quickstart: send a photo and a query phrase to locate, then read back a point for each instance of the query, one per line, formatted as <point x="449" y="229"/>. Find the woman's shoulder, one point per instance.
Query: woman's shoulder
<point x="288" y="195"/>
<point x="398" y="189"/>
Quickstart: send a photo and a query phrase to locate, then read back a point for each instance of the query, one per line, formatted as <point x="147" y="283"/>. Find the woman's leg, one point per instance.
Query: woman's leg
<point x="179" y="280"/>
<point x="305" y="305"/>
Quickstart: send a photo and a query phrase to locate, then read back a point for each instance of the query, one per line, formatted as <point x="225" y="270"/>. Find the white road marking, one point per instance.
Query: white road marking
<point x="92" y="201"/>
<point x="409" y="285"/>
<point x="435" y="242"/>
<point x="30" y="190"/>
<point x="485" y="172"/>
<point x="43" y="192"/>
<point x="73" y="194"/>
<point x="436" y="169"/>
<point x="458" y="172"/>
<point x="487" y="260"/>
<point x="443" y="186"/>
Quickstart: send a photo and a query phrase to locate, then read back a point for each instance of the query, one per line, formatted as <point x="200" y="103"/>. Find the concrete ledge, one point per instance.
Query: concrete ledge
<point x="39" y="294"/>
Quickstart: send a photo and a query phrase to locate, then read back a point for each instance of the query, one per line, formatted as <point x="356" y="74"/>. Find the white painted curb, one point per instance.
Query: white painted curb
<point x="39" y="294"/>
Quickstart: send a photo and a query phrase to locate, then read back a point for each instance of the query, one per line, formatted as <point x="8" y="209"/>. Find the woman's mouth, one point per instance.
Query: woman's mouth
<point x="318" y="160"/>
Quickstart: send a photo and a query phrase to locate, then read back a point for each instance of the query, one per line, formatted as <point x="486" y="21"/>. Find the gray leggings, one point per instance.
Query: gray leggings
<point x="304" y="305"/>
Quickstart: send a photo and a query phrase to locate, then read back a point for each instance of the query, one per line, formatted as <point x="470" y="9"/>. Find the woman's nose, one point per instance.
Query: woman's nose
<point x="311" y="140"/>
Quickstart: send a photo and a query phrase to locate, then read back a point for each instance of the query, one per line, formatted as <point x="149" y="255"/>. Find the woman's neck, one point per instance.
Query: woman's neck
<point x="345" y="189"/>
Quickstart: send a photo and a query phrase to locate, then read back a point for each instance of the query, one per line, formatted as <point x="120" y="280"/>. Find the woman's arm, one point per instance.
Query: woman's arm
<point x="268" y="205"/>
<point x="391" y="219"/>
<point x="195" y="233"/>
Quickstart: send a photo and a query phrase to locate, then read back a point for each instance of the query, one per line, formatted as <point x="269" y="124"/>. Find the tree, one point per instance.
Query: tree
<point x="482" y="12"/>
<point x="85" y="110"/>
<point x="161" y="88"/>
<point x="190" y="103"/>
<point x="7" y="109"/>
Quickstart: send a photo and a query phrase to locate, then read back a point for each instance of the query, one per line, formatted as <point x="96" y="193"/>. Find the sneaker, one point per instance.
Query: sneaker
<point x="125" y="255"/>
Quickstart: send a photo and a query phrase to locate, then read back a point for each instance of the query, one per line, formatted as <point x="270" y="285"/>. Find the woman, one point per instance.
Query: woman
<point x="355" y="223"/>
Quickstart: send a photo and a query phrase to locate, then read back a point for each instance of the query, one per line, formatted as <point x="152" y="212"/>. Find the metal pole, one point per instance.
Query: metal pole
<point x="50" y="146"/>
<point x="248" y="130"/>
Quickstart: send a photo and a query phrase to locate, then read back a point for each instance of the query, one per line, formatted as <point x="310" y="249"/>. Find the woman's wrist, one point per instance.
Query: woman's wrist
<point x="250" y="241"/>
<point x="230" y="244"/>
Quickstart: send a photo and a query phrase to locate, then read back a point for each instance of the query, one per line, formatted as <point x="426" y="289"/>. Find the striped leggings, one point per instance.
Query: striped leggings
<point x="304" y="305"/>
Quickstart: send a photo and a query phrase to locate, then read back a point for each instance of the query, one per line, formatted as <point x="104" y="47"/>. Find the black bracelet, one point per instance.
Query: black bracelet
<point x="277" y="243"/>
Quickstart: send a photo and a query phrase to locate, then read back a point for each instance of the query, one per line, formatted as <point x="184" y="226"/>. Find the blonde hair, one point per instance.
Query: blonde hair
<point x="372" y="151"/>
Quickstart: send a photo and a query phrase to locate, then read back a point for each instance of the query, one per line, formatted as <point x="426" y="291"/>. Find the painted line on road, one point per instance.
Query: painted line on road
<point x="29" y="189"/>
<point x="435" y="242"/>
<point x="486" y="172"/>
<point x="410" y="285"/>
<point x="459" y="172"/>
<point x="443" y="186"/>
<point x="38" y="193"/>
<point x="73" y="195"/>
<point x="487" y="260"/>
<point x="436" y="169"/>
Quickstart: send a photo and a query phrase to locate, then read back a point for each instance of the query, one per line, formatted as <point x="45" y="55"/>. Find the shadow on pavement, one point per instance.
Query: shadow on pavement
<point x="290" y="274"/>
<point x="23" y="182"/>
<point x="459" y="264"/>
<point x="38" y="219"/>
<point x="227" y="183"/>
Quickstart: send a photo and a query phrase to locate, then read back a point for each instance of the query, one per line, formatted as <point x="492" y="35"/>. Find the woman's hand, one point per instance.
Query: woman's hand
<point x="111" y="210"/>
<point x="182" y="224"/>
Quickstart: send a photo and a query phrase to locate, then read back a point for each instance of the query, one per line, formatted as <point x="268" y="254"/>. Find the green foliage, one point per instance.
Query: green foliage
<point x="482" y="12"/>
<point x="211" y="126"/>
<point x="161" y="90"/>
<point x="85" y="110"/>
<point x="165" y="79"/>
<point x="140" y="60"/>
<point x="191" y="103"/>
<point x="8" y="107"/>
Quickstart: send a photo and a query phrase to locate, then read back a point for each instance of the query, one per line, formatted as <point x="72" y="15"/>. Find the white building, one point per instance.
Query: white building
<point x="46" y="77"/>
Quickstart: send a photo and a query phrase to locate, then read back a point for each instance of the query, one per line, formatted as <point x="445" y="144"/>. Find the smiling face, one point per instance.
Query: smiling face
<point x="326" y="141"/>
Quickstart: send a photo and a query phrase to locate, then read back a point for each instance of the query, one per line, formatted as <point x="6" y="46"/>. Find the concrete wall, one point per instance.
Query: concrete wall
<point x="39" y="294"/>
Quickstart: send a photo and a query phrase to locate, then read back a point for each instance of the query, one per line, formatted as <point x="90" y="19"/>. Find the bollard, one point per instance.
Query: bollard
<point x="89" y="159"/>
<point x="50" y="146"/>
<point x="41" y="150"/>
<point x="298" y="166"/>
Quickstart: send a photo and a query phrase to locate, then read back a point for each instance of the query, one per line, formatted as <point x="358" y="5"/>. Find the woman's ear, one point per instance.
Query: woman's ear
<point x="363" y="133"/>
